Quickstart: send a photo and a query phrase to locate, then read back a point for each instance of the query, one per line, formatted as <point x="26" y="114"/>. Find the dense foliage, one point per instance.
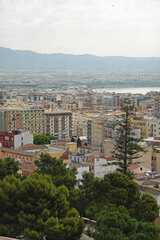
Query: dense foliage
<point x="46" y="204"/>
<point x="8" y="167"/>
<point x="79" y="142"/>
<point x="120" y="226"/>
<point x="57" y="170"/>
<point x="42" y="139"/>
<point x="35" y="207"/>
<point x="114" y="192"/>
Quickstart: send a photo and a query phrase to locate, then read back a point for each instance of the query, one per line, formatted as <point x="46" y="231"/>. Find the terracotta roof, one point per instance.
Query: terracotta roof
<point x="134" y="127"/>
<point x="116" y="113"/>
<point x="27" y="145"/>
<point x="86" y="147"/>
<point x="132" y="167"/>
<point x="109" y="158"/>
<point x="28" y="166"/>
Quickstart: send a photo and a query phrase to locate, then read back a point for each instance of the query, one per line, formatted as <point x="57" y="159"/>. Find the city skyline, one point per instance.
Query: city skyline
<point x="109" y="28"/>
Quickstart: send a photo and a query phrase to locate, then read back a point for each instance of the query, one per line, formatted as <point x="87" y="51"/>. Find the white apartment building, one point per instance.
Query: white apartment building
<point x="23" y="139"/>
<point x="59" y="124"/>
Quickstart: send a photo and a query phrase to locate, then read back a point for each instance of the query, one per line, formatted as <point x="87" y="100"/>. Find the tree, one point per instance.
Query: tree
<point x="126" y="148"/>
<point x="8" y="167"/>
<point x="57" y="170"/>
<point x="120" y="226"/>
<point x="1" y="95"/>
<point x="43" y="139"/>
<point x="35" y="208"/>
<point x="116" y="191"/>
<point x="147" y="209"/>
<point x="79" y="142"/>
<point x="72" y="139"/>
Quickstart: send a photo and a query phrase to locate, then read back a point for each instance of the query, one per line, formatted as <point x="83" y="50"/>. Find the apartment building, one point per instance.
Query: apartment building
<point x="29" y="119"/>
<point x="59" y="124"/>
<point x="89" y="131"/>
<point x="142" y="124"/>
<point x="156" y="159"/>
<point x="153" y="128"/>
<point x="157" y="106"/>
<point x="79" y="124"/>
<point x="97" y="132"/>
<point x="15" y="139"/>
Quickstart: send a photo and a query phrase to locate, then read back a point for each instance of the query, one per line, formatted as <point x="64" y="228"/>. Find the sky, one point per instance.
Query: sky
<point x="98" y="27"/>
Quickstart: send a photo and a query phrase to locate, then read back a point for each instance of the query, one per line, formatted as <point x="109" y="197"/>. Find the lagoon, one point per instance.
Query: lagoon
<point x="133" y="90"/>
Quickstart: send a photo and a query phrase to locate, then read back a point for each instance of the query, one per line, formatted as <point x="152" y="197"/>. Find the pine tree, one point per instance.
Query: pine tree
<point x="126" y="148"/>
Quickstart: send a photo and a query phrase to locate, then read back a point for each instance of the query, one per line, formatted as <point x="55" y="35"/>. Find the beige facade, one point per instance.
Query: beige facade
<point x="156" y="159"/>
<point x="108" y="146"/>
<point x="79" y="124"/>
<point x="97" y="132"/>
<point x="31" y="120"/>
<point x="30" y="157"/>
<point x="145" y="159"/>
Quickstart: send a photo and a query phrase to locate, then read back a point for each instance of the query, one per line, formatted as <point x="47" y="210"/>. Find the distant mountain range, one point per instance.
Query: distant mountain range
<point x="29" y="60"/>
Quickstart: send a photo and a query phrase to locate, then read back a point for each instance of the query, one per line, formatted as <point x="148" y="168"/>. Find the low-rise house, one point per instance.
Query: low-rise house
<point x="21" y="155"/>
<point x="54" y="151"/>
<point x="102" y="166"/>
<point x="85" y="149"/>
<point x="81" y="169"/>
<point x="76" y="158"/>
<point x="26" y="169"/>
<point x="138" y="170"/>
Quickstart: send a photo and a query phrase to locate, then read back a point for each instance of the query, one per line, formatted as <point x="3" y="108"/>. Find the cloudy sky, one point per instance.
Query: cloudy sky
<point x="99" y="27"/>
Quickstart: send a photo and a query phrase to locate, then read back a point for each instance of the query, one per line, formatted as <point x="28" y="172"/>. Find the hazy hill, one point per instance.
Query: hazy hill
<point x="29" y="60"/>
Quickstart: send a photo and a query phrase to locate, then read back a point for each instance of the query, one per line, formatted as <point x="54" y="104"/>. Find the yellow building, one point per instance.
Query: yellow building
<point x="141" y="124"/>
<point x="71" y="147"/>
<point x="56" y="153"/>
<point x="21" y="155"/>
